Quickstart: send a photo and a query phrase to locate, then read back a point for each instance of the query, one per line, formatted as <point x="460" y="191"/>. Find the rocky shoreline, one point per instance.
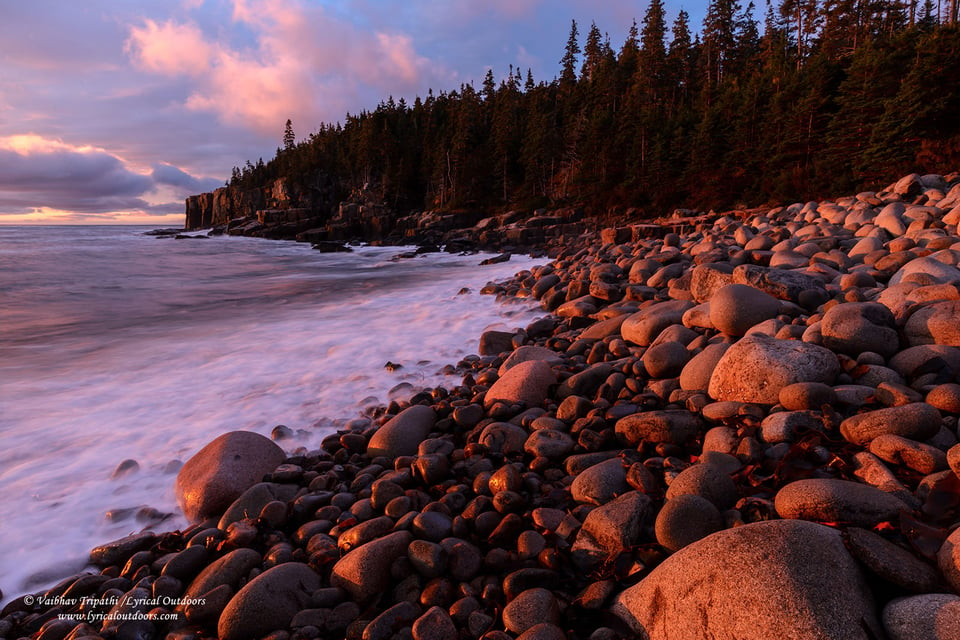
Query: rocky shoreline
<point x="747" y="428"/>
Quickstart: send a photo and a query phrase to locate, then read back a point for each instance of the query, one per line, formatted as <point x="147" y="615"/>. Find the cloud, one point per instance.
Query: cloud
<point x="302" y="62"/>
<point x="169" y="48"/>
<point x="169" y="175"/>
<point x="38" y="173"/>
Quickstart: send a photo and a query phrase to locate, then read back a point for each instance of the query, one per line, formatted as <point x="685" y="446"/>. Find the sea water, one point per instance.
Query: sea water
<point x="119" y="346"/>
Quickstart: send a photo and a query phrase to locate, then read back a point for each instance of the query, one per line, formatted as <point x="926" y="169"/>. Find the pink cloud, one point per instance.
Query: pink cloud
<point x="169" y="48"/>
<point x="304" y="63"/>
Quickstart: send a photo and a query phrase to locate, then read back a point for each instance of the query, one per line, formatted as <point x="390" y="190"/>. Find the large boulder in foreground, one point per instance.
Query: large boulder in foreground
<point x="757" y="367"/>
<point x="774" y="579"/>
<point x="217" y="474"/>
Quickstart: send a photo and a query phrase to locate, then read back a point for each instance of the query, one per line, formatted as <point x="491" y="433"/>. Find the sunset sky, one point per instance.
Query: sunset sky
<point x="114" y="112"/>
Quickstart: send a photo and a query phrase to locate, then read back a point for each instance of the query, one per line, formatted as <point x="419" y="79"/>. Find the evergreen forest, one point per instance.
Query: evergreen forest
<point x="804" y="100"/>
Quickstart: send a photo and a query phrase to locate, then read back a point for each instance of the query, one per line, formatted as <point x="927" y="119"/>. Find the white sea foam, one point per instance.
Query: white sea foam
<point x="301" y="341"/>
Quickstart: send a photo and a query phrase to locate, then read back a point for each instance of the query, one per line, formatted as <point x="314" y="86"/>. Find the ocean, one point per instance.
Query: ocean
<point x="119" y="346"/>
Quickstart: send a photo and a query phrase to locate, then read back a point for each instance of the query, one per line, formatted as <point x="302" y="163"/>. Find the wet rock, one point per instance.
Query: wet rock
<point x="402" y="434"/>
<point x="528" y="383"/>
<point x="503" y="437"/>
<point x="493" y="343"/>
<point x="776" y="579"/>
<point x="230" y="570"/>
<point x="364" y="572"/>
<point x="757" y="367"/>
<point x="118" y="551"/>
<point x="832" y="500"/>
<point x="217" y="474"/>
<point x="268" y="602"/>
<point x="684" y="519"/>
<point x="527" y="353"/>
<point x="916" y="421"/>
<point x="392" y="620"/>
<point x="549" y="443"/>
<point x="932" y="616"/>
<point x="543" y="631"/>
<point x="253" y="500"/>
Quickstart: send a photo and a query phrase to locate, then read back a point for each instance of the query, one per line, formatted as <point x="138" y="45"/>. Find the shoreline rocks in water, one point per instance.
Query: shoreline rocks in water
<point x="744" y="429"/>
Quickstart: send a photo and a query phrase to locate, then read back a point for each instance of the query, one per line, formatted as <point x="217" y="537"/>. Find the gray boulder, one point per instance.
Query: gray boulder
<point x="757" y="367"/>
<point x="528" y="382"/>
<point x="775" y="579"/>
<point x="855" y="327"/>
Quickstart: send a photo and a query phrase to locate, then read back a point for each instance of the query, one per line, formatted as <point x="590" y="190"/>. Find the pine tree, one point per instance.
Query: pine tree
<point x="568" y="64"/>
<point x="288" y="138"/>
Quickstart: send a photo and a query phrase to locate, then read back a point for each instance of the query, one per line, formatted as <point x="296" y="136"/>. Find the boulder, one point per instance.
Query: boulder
<point x="684" y="519"/>
<point x="527" y="353"/>
<point x="916" y="421"/>
<point x="402" y="434"/>
<point x="781" y="283"/>
<point x="774" y="579"/>
<point x="528" y="383"/>
<point x="599" y="483"/>
<point x="931" y="616"/>
<point x="614" y="526"/>
<point x="217" y="474"/>
<point x="268" y="602"/>
<point x="832" y="500"/>
<point x="855" y="327"/>
<point x="757" y="367"/>
<point x="696" y="374"/>
<point x="673" y="426"/>
<point x="735" y="308"/>
<point x="643" y="327"/>
<point x="935" y="323"/>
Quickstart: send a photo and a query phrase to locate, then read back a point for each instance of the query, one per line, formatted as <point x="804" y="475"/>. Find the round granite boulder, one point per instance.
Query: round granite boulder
<point x="774" y="579"/>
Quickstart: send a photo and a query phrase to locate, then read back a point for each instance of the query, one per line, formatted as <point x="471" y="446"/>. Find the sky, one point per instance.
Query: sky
<point x="114" y="111"/>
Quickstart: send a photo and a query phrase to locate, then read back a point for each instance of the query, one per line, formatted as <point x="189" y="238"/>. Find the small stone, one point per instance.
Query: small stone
<point x="665" y="360"/>
<point x="855" y="327"/>
<point x="543" y="631"/>
<point x="945" y="397"/>
<point x="948" y="559"/>
<point x="616" y="525"/>
<point x="434" y="624"/>
<point x="532" y="607"/>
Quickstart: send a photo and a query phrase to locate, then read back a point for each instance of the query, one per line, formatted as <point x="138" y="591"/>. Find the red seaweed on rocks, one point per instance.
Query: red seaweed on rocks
<point x="616" y="478"/>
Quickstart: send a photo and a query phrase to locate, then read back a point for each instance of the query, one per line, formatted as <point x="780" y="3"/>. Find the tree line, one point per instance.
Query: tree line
<point x="819" y="97"/>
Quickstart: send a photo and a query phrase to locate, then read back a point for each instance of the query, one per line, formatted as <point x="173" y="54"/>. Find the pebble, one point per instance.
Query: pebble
<point x="402" y="434"/>
<point x="708" y="481"/>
